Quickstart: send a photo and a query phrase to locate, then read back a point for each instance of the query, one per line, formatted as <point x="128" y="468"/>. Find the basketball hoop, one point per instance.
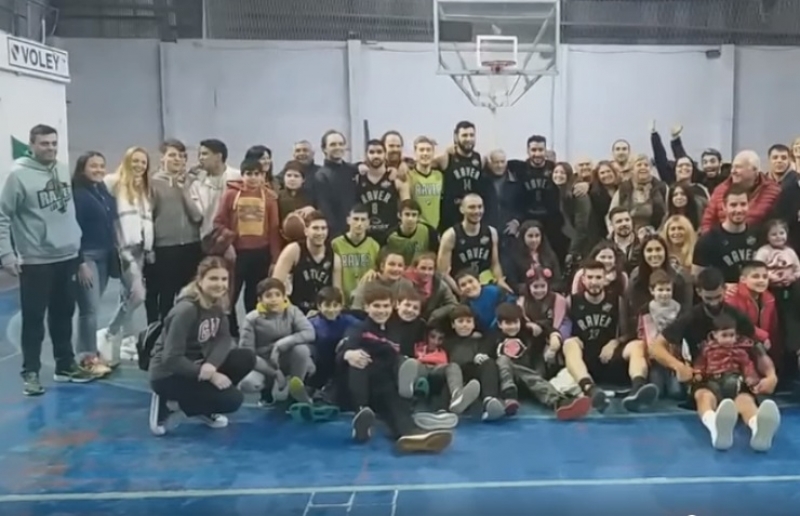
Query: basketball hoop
<point x="498" y="90"/>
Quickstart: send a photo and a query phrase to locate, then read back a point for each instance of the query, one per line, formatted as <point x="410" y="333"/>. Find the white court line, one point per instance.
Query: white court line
<point x="459" y="486"/>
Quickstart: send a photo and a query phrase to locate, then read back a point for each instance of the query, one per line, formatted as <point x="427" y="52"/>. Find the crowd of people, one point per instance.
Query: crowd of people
<point x="415" y="289"/>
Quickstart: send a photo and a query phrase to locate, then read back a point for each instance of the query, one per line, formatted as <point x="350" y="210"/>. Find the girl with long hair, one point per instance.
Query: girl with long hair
<point x="195" y="370"/>
<point x="680" y="237"/>
<point x="681" y="200"/>
<point x="130" y="186"/>
<point x="263" y="155"/>
<point x="531" y="249"/>
<point x="605" y="182"/>
<point x="577" y="211"/>
<point x="96" y="211"/>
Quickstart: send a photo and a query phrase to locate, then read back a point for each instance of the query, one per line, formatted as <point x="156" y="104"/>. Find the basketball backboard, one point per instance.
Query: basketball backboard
<point x="496" y="50"/>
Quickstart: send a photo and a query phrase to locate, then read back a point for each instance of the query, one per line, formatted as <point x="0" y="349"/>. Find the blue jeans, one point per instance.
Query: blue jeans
<point x="89" y="301"/>
<point x="127" y="304"/>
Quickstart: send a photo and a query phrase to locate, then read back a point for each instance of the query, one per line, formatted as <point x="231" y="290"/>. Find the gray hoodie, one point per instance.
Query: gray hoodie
<point x="261" y="331"/>
<point x="38" y="212"/>
<point x="176" y="218"/>
<point x="192" y="335"/>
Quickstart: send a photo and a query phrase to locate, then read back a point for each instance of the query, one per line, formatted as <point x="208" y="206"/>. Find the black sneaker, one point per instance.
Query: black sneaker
<point x="599" y="399"/>
<point x="643" y="398"/>
<point x="74" y="374"/>
<point x="362" y="425"/>
<point x="31" y="384"/>
<point x="266" y="400"/>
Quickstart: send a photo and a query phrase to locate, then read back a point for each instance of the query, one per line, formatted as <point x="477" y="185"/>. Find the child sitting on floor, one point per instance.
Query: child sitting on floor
<point x="468" y="356"/>
<point x="520" y="360"/>
<point x="481" y="299"/>
<point x="725" y="384"/>
<point x="280" y="335"/>
<point x="371" y="359"/>
<point x="660" y="313"/>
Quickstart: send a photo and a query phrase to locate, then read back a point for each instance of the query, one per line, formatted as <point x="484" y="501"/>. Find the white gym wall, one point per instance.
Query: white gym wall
<point x="127" y="92"/>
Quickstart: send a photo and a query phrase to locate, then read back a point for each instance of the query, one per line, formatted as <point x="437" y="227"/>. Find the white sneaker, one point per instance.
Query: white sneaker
<point x="724" y="423"/>
<point x="214" y="420"/>
<point x="768" y="419"/>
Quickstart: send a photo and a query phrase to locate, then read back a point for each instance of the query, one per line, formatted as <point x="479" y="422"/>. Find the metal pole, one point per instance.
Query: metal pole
<point x="204" y="21"/>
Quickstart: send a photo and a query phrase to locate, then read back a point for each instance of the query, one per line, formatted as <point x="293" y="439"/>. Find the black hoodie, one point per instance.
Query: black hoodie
<point x="372" y="338"/>
<point x="335" y="193"/>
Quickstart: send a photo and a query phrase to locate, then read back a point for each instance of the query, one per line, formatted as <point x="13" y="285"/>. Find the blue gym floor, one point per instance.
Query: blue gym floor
<point x="87" y="450"/>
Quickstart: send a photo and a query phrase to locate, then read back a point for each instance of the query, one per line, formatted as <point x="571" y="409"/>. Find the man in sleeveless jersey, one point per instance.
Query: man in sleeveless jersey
<point x="308" y="266"/>
<point x="595" y="351"/>
<point x="357" y="251"/>
<point x="380" y="191"/>
<point x="426" y="181"/>
<point x="472" y="245"/>
<point x="463" y="174"/>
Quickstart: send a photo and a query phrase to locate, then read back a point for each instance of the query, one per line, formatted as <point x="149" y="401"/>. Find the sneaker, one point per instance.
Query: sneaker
<point x="493" y="409"/>
<point x="511" y="407"/>
<point x="280" y="390"/>
<point x="362" y="425"/>
<point x="31" y="385"/>
<point x="768" y="419"/>
<point x="441" y="420"/>
<point x="298" y="391"/>
<point x="599" y="399"/>
<point x="462" y="399"/>
<point x="427" y="442"/>
<point x="74" y="374"/>
<point x="214" y="420"/>
<point x="725" y="420"/>
<point x="573" y="408"/>
<point x="643" y="398"/>
<point x="160" y="416"/>
<point x="407" y="375"/>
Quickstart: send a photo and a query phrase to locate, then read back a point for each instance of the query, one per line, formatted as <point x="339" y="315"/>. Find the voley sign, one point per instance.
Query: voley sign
<point x="35" y="59"/>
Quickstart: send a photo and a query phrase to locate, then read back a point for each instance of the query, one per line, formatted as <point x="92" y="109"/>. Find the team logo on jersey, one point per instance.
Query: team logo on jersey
<point x="751" y="240"/>
<point x="475" y="162"/>
<point x="511" y="348"/>
<point x="607" y="307"/>
<point x="385" y="184"/>
<point x="484" y="240"/>
<point x="326" y="265"/>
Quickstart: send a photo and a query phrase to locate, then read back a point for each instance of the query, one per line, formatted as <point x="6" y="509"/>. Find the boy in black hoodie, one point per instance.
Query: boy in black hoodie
<point x="520" y="360"/>
<point x="373" y="359"/>
<point x="468" y="354"/>
<point x="407" y="329"/>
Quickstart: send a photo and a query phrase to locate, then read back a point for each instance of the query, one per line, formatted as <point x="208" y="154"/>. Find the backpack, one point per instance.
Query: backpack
<point x="146" y="342"/>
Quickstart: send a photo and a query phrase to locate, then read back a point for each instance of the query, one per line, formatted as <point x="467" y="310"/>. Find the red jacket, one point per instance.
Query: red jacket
<point x="765" y="319"/>
<point x="762" y="201"/>
<point x="428" y="356"/>
<point x="252" y="215"/>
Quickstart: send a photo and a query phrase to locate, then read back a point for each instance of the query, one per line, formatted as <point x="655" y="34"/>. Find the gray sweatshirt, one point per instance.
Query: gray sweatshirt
<point x="192" y="335"/>
<point x="38" y="212"/>
<point x="261" y="331"/>
<point x="176" y="218"/>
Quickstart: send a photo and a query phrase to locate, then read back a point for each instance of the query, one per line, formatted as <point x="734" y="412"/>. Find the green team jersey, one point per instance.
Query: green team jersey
<point x="356" y="259"/>
<point x="427" y="191"/>
<point x="422" y="239"/>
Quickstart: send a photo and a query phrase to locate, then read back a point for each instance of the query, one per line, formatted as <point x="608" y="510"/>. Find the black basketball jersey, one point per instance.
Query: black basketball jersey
<point x="596" y="324"/>
<point x="463" y="176"/>
<point x="472" y="252"/>
<point x="381" y="200"/>
<point x="310" y="276"/>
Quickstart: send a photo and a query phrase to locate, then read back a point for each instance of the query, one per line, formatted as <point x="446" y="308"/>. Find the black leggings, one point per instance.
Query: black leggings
<point x="374" y="387"/>
<point x="175" y="267"/>
<point x="252" y="266"/>
<point x="201" y="398"/>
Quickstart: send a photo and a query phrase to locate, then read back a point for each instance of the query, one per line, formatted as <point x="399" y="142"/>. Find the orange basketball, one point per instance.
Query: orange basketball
<point x="294" y="228"/>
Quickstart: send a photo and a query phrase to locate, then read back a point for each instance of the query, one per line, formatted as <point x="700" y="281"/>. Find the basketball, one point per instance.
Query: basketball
<point x="294" y="228"/>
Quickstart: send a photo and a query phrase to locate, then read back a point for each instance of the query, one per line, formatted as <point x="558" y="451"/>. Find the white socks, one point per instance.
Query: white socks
<point x="709" y="419"/>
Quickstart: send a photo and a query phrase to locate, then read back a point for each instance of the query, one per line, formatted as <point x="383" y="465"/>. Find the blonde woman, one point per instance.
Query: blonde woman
<point x="130" y="187"/>
<point x="194" y="363"/>
<point x="681" y="238"/>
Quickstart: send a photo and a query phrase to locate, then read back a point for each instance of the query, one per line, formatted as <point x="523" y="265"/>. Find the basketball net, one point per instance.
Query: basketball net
<point x="497" y="95"/>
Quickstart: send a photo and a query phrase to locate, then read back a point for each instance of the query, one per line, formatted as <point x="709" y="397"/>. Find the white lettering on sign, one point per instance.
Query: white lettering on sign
<point x="29" y="56"/>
